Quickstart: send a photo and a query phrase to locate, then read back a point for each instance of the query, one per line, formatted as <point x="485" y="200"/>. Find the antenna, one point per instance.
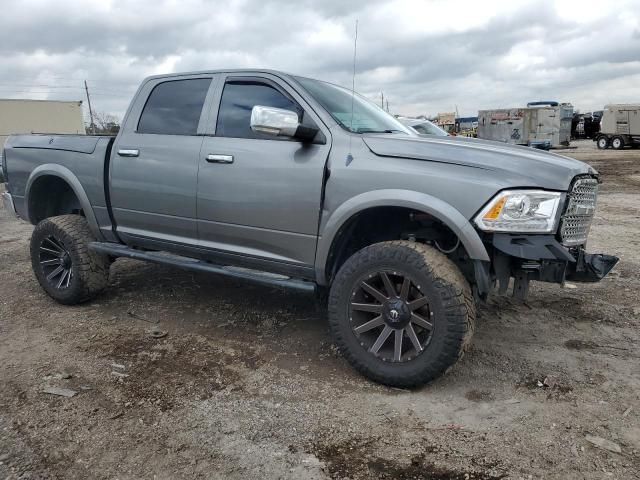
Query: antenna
<point x="353" y="91"/>
<point x="353" y="78"/>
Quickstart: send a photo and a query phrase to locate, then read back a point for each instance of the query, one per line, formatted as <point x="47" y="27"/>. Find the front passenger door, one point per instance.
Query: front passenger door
<point x="260" y="200"/>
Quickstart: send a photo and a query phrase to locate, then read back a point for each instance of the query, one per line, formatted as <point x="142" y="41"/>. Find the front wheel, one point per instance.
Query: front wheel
<point x="63" y="264"/>
<point x="401" y="313"/>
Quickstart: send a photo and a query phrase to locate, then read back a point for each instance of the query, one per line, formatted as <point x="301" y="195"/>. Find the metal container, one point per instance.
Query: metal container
<point x="548" y="124"/>
<point x="621" y="120"/>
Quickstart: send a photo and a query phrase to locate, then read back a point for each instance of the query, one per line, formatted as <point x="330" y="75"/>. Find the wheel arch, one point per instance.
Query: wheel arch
<point x="52" y="174"/>
<point x="420" y="202"/>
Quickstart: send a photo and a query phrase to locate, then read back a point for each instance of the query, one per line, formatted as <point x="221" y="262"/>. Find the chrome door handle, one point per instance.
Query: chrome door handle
<point x="128" y="153"/>
<point x="211" y="158"/>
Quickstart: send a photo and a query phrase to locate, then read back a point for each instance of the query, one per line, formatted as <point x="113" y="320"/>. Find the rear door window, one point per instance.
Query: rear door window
<point x="239" y="98"/>
<point x="174" y="107"/>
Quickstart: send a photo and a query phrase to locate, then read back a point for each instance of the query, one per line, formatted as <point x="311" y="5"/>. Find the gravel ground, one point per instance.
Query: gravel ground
<point x="246" y="383"/>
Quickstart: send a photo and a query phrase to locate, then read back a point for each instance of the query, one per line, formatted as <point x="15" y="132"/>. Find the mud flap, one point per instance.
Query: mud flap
<point x="592" y="267"/>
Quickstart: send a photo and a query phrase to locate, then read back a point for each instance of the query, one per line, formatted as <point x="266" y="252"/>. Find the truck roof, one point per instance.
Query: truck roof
<point x="222" y="70"/>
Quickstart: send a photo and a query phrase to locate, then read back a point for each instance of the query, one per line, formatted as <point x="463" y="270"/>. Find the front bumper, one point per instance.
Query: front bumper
<point x="543" y="258"/>
<point x="7" y="202"/>
<point x="591" y="267"/>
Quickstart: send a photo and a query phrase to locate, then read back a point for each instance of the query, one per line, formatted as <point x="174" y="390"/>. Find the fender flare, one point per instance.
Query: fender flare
<point x="423" y="202"/>
<point x="51" y="169"/>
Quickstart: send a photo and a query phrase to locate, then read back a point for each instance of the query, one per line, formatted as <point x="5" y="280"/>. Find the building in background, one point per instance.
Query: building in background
<point x="446" y="121"/>
<point x="467" y="126"/>
<point x="40" y="116"/>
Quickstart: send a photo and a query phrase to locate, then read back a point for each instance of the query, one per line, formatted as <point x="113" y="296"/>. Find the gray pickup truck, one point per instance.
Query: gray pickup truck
<point x="299" y="183"/>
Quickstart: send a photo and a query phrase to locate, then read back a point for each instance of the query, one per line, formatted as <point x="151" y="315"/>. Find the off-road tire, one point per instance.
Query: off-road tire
<point x="602" y="142"/>
<point x="451" y="301"/>
<point x="617" y="143"/>
<point x="89" y="270"/>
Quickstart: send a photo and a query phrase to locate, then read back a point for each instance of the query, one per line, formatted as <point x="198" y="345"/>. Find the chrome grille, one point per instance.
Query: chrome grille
<point x="581" y="205"/>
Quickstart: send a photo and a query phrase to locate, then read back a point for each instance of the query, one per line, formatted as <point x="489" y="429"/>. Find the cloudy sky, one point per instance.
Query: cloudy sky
<point x="426" y="56"/>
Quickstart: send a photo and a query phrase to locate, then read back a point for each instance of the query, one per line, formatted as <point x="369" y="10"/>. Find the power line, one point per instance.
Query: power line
<point x="80" y="92"/>
<point x="23" y="87"/>
<point x="19" y="83"/>
<point x="56" y="87"/>
<point x="35" y="85"/>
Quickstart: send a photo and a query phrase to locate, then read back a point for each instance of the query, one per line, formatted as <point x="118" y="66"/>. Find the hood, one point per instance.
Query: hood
<point x="530" y="167"/>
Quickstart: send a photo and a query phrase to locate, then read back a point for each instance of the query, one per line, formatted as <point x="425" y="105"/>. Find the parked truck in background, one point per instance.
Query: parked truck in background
<point x="619" y="127"/>
<point x="294" y="182"/>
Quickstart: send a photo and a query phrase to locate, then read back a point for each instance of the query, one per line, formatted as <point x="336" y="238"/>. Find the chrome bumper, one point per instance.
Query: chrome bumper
<point x="7" y="202"/>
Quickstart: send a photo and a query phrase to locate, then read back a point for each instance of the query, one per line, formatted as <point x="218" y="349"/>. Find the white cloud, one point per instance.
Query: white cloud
<point x="426" y="56"/>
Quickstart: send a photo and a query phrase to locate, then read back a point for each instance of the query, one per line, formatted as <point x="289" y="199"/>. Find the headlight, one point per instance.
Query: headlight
<point x="521" y="211"/>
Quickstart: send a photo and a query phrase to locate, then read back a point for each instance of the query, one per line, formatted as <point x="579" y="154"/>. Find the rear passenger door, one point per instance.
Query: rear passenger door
<point x="154" y="166"/>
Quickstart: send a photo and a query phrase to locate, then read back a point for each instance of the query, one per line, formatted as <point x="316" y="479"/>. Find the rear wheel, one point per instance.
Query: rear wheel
<point x="602" y="142"/>
<point x="63" y="264"/>
<point x="617" y="143"/>
<point x="401" y="313"/>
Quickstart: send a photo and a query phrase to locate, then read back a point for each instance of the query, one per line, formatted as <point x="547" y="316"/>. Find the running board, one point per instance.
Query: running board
<point x="265" y="278"/>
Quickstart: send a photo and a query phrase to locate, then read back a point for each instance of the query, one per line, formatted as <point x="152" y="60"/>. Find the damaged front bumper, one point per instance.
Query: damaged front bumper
<point x="543" y="258"/>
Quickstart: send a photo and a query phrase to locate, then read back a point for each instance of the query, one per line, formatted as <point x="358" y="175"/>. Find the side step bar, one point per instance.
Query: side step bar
<point x="265" y="278"/>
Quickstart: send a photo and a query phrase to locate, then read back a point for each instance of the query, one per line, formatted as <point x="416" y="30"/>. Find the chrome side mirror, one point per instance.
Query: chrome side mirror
<point x="274" y="121"/>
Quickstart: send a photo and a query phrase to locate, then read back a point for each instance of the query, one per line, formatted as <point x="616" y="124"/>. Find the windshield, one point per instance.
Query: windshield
<point x="428" y="128"/>
<point x="367" y="117"/>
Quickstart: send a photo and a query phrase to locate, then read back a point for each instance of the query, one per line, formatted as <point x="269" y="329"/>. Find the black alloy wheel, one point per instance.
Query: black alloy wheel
<point x="390" y="316"/>
<point x="56" y="263"/>
<point x="401" y="312"/>
<point x="62" y="262"/>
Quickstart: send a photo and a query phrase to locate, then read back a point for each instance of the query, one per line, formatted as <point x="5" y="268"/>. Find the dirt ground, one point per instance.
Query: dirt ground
<point x="246" y="384"/>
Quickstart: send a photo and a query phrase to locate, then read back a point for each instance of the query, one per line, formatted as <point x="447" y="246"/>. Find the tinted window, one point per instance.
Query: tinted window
<point x="239" y="98"/>
<point x="174" y="108"/>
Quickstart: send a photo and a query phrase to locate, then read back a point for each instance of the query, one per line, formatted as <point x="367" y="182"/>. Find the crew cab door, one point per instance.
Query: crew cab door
<point x="259" y="196"/>
<point x="155" y="160"/>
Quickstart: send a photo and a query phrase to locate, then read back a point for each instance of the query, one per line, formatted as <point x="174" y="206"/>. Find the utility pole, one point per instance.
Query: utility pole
<point x="382" y="100"/>
<point x="92" y="126"/>
<point x="387" y="106"/>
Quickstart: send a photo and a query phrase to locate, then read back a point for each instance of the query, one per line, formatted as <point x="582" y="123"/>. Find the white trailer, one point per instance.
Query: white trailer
<point x="540" y="124"/>
<point x="620" y="126"/>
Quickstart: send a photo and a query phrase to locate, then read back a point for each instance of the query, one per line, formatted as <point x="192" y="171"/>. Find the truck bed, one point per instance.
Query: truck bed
<point x="74" y="158"/>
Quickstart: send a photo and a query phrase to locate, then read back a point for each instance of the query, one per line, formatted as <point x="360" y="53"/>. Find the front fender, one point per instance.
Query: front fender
<point x="52" y="169"/>
<point x="397" y="198"/>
